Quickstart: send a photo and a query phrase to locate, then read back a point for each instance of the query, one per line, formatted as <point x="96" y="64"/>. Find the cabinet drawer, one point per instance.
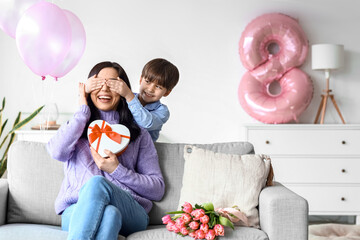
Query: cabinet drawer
<point x="316" y="170"/>
<point x="330" y="199"/>
<point x="305" y="141"/>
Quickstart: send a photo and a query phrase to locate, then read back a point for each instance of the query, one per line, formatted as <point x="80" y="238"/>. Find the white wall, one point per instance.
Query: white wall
<point x="201" y="38"/>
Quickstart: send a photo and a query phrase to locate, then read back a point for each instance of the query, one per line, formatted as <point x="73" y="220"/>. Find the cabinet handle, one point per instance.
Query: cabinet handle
<point x="342" y="199"/>
<point x="267" y="142"/>
<point x="343" y="142"/>
<point x="343" y="170"/>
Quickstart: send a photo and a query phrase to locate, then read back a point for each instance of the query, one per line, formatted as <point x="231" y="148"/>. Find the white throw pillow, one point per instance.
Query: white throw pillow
<point x="225" y="180"/>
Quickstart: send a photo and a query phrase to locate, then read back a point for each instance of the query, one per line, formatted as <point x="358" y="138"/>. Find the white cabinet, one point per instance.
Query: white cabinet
<point x="319" y="162"/>
<point x="27" y="133"/>
<point x="35" y="135"/>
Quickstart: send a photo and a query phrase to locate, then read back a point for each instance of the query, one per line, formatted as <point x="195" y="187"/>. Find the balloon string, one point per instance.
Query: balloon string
<point x="43" y="78"/>
<point x="56" y="79"/>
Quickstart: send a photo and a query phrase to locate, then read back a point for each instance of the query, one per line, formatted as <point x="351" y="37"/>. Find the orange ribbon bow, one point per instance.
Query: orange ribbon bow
<point x="96" y="132"/>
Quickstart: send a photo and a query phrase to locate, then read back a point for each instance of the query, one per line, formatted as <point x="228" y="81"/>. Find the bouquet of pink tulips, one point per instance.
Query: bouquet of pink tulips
<point x="202" y="221"/>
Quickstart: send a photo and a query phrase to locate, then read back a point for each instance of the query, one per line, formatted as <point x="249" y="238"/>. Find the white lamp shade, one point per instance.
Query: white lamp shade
<point x="327" y="56"/>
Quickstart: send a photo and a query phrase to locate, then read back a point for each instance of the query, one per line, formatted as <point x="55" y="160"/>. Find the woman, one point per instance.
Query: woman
<point x="102" y="197"/>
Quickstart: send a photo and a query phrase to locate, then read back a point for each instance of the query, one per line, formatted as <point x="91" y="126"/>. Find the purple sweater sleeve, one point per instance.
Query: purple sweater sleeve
<point x="62" y="146"/>
<point x="146" y="180"/>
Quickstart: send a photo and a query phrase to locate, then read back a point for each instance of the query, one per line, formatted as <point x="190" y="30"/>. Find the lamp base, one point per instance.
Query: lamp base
<point x="322" y="107"/>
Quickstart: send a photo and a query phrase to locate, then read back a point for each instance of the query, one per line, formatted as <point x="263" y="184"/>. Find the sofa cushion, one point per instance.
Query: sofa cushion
<point x="159" y="232"/>
<point x="34" y="182"/>
<point x="171" y="158"/>
<point x="225" y="180"/>
<point x="18" y="231"/>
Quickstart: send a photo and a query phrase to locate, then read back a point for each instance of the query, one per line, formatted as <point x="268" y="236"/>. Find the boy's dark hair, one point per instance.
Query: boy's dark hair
<point x="126" y="117"/>
<point x="162" y="71"/>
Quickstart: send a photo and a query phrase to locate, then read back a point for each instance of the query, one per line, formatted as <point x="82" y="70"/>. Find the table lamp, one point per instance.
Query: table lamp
<point x="327" y="57"/>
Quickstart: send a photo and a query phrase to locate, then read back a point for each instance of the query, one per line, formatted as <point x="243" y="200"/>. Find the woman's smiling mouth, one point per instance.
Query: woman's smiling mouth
<point x="104" y="98"/>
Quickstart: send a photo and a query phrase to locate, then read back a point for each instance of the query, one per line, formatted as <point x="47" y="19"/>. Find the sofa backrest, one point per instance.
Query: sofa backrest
<point x="35" y="179"/>
<point x="34" y="182"/>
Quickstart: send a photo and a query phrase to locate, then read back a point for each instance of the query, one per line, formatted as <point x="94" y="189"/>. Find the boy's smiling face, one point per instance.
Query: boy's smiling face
<point x="151" y="92"/>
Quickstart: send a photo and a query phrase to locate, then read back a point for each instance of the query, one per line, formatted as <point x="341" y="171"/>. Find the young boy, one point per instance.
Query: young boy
<point x="157" y="80"/>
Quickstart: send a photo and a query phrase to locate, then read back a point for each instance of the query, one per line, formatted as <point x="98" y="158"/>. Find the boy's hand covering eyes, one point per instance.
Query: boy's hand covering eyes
<point x="94" y="83"/>
<point x="120" y="87"/>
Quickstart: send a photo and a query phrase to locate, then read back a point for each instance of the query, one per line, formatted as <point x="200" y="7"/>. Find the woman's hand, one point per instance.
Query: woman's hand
<point x="120" y="87"/>
<point x="82" y="94"/>
<point x="94" y="83"/>
<point x="105" y="164"/>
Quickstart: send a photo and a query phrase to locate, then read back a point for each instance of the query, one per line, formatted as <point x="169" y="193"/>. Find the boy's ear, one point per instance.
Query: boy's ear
<point x="167" y="93"/>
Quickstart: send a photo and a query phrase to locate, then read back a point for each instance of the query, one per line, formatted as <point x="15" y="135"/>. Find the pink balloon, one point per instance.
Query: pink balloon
<point x="273" y="28"/>
<point x="43" y="37"/>
<point x="266" y="66"/>
<point x="11" y="12"/>
<point x="295" y="96"/>
<point x="78" y="41"/>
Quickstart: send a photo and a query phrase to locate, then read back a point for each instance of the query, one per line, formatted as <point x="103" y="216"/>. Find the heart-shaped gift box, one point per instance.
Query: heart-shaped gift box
<point x="113" y="137"/>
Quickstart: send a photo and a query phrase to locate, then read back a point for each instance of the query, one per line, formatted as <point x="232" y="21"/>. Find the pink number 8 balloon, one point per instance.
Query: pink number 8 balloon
<point x="266" y="67"/>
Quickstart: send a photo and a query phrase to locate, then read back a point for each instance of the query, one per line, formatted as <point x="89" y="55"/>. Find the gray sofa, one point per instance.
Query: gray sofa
<point x="27" y="198"/>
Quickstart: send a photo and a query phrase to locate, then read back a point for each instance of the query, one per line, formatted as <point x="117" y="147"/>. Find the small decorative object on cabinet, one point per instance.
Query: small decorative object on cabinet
<point x="49" y="115"/>
<point x="319" y="162"/>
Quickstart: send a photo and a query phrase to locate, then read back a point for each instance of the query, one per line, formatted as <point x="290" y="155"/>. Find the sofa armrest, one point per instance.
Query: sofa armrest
<point x="4" y="189"/>
<point x="283" y="213"/>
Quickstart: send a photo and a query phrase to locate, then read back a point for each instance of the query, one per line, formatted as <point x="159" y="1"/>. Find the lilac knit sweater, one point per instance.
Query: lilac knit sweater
<point x="138" y="172"/>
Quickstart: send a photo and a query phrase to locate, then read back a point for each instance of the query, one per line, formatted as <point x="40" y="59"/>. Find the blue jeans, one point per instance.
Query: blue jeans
<point x="102" y="212"/>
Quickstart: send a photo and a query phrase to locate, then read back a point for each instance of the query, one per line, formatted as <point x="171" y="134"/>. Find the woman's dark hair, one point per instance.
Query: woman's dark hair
<point x="126" y="117"/>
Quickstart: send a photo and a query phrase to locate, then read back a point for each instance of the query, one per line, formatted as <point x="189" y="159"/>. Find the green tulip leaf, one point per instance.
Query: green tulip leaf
<point x="213" y="218"/>
<point x="208" y="206"/>
<point x="226" y="222"/>
<point x="175" y="212"/>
